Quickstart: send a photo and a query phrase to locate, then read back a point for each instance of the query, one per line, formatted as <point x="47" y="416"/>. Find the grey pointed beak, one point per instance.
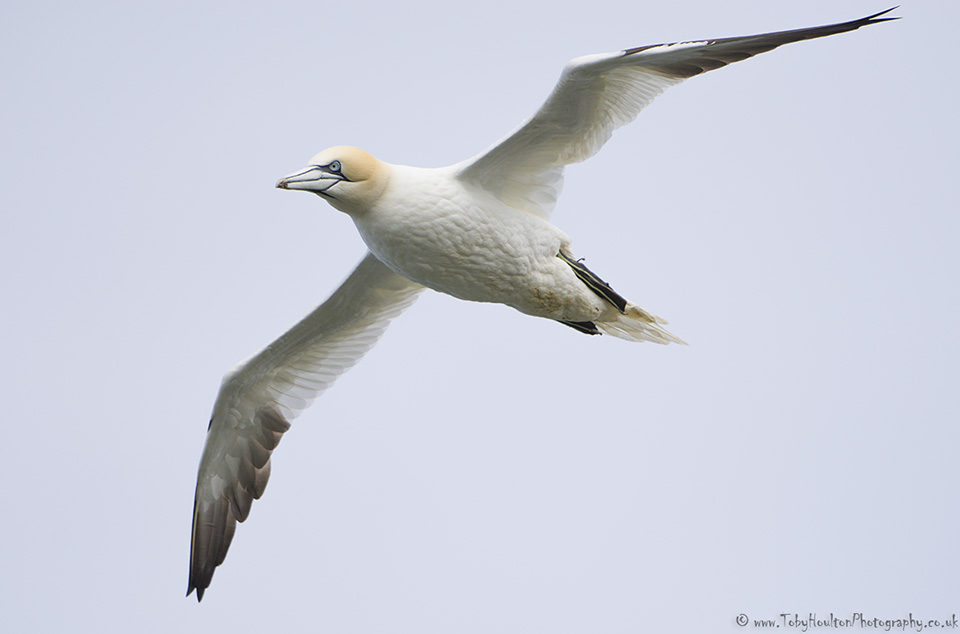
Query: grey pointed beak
<point x="311" y="179"/>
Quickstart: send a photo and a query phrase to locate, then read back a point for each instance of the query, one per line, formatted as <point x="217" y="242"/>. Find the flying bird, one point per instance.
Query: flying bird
<point x="479" y="230"/>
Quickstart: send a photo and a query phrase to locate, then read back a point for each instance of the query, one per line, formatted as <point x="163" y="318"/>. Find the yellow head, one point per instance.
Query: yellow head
<point x="347" y="177"/>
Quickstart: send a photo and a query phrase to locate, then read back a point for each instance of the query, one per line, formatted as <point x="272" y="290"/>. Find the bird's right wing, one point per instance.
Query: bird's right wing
<point x="260" y="396"/>
<point x="596" y="95"/>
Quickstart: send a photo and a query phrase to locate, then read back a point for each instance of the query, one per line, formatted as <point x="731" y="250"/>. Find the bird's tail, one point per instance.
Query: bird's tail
<point x="636" y="324"/>
<point x="630" y="322"/>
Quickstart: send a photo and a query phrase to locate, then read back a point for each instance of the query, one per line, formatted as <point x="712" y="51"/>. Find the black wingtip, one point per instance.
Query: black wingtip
<point x="876" y="15"/>
<point x="192" y="587"/>
<point x="873" y="19"/>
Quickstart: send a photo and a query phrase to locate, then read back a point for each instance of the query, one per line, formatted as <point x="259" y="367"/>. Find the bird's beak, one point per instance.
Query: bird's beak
<point x="311" y="179"/>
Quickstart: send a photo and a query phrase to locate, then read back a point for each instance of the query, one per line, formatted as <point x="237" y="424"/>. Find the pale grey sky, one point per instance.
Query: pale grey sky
<point x="794" y="217"/>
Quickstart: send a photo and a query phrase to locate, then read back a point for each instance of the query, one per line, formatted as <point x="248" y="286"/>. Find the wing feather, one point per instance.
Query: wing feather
<point x="260" y="396"/>
<point x="596" y="95"/>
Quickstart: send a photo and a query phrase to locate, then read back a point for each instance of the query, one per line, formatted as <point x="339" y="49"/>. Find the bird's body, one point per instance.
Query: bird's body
<point x="475" y="248"/>
<point x="478" y="230"/>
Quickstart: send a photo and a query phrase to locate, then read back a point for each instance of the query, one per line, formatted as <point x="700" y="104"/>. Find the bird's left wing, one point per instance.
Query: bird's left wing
<point x="260" y="397"/>
<point x="596" y="95"/>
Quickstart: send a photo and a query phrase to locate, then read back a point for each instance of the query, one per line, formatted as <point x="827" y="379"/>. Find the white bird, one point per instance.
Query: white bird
<point x="478" y="230"/>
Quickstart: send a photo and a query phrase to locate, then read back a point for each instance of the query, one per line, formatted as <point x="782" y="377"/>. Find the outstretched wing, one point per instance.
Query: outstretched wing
<point x="596" y="95"/>
<point x="260" y="396"/>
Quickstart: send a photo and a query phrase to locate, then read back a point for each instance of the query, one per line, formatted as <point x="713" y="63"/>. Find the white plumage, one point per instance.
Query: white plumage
<point x="478" y="230"/>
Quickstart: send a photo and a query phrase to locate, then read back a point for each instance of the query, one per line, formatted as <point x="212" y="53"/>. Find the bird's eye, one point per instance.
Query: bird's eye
<point x="335" y="166"/>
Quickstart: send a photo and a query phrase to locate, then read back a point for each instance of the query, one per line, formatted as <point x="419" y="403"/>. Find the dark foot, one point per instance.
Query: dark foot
<point x="586" y="327"/>
<point x="595" y="284"/>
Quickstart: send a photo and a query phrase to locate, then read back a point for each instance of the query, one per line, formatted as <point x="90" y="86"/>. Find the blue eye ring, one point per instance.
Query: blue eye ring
<point x="334" y="166"/>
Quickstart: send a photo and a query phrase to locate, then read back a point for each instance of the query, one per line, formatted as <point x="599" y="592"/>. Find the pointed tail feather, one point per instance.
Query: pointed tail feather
<point x="636" y="324"/>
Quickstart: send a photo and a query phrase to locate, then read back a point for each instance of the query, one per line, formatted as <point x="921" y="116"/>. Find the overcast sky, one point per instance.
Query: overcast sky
<point x="794" y="217"/>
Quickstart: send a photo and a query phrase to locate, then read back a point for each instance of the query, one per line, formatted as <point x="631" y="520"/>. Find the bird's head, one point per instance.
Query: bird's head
<point x="348" y="178"/>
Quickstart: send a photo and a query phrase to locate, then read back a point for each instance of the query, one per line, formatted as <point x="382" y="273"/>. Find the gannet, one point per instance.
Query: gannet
<point x="478" y="230"/>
